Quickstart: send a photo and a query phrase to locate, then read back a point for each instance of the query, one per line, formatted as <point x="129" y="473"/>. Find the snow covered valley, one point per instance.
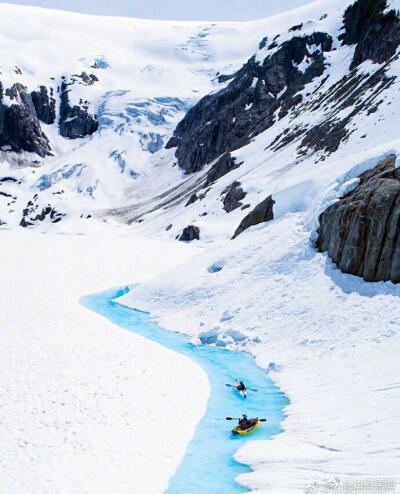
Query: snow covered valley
<point x="270" y="149"/>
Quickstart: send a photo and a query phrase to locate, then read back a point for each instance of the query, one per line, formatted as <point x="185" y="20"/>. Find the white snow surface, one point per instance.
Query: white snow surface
<point x="330" y="340"/>
<point x="84" y="403"/>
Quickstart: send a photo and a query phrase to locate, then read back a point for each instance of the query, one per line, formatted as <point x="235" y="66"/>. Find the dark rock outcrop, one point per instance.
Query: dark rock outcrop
<point x="45" y="105"/>
<point x="192" y="199"/>
<point x="374" y="29"/>
<point x="361" y="232"/>
<point x="260" y="214"/>
<point x="75" y="121"/>
<point x="233" y="195"/>
<point x="190" y="233"/>
<point x="223" y="166"/>
<point x="34" y="213"/>
<point x="86" y="79"/>
<point x="19" y="126"/>
<point x="226" y="120"/>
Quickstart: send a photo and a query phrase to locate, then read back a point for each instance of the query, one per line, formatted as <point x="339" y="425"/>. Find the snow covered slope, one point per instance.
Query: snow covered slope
<point x="137" y="77"/>
<point x="263" y="125"/>
<point x="74" y="387"/>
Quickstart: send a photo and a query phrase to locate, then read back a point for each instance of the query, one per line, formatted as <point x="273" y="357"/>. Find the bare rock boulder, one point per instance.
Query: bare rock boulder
<point x="361" y="231"/>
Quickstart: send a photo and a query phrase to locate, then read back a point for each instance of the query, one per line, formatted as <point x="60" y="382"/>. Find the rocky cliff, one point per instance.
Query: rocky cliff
<point x="361" y="231"/>
<point x="268" y="87"/>
<point x="226" y="120"/>
<point x="76" y="121"/>
<point x="20" y="116"/>
<point x="19" y="124"/>
<point x="374" y="29"/>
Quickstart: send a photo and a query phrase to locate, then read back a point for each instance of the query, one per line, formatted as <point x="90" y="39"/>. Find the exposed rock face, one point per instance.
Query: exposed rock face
<point x="192" y="199"/>
<point x="260" y="214"/>
<point x="33" y="213"/>
<point x="233" y="195"/>
<point x="89" y="80"/>
<point x="223" y="166"/>
<point x="265" y="91"/>
<point x="376" y="33"/>
<point x="45" y="105"/>
<point x="226" y="120"/>
<point x="19" y="126"/>
<point x="361" y="232"/>
<point x="75" y="121"/>
<point x="190" y="233"/>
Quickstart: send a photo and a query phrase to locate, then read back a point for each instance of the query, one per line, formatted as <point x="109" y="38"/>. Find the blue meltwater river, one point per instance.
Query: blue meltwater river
<point x="208" y="466"/>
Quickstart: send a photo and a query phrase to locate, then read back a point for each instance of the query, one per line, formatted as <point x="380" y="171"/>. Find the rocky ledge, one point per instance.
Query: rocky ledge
<point x="76" y="121"/>
<point x="361" y="231"/>
<point x="19" y="124"/>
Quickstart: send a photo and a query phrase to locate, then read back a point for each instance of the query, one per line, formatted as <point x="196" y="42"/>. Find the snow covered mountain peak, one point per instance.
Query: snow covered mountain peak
<point x="113" y="127"/>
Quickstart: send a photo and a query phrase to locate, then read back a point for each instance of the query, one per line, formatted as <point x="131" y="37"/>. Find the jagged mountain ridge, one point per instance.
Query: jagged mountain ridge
<point x="266" y="89"/>
<point x="88" y="118"/>
<point x="313" y="92"/>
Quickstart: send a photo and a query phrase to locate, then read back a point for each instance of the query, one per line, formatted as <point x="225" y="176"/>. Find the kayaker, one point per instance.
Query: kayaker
<point x="244" y="423"/>
<point x="241" y="386"/>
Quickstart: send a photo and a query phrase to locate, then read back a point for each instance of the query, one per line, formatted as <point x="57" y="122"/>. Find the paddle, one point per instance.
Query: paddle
<point x="247" y="389"/>
<point x="234" y="418"/>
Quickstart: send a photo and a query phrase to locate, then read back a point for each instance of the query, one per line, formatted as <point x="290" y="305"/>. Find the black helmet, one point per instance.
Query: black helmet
<point x="245" y="416"/>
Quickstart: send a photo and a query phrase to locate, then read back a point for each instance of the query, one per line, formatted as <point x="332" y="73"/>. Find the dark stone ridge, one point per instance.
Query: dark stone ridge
<point x="44" y="104"/>
<point x="361" y="231"/>
<point x="263" y="43"/>
<point x="233" y="195"/>
<point x="357" y="93"/>
<point x="298" y="27"/>
<point x="34" y="213"/>
<point x="193" y="198"/>
<point x="88" y="80"/>
<point x="223" y="166"/>
<point x="224" y="121"/>
<point x="260" y="214"/>
<point x="190" y="233"/>
<point x="225" y="77"/>
<point x="375" y="30"/>
<point x="19" y="126"/>
<point x="75" y="121"/>
<point x="8" y="179"/>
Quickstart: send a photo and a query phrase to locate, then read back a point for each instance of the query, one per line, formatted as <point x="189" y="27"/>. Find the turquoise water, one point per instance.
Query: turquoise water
<point x="208" y="466"/>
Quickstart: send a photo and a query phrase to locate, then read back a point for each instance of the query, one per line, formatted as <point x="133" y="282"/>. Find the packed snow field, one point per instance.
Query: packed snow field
<point x="329" y="340"/>
<point x="83" y="402"/>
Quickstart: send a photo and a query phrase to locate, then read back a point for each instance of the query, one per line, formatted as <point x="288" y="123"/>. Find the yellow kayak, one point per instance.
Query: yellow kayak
<point x="254" y="425"/>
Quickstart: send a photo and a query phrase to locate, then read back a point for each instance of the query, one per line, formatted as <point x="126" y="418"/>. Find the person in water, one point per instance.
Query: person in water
<point x="241" y="386"/>
<point x="244" y="423"/>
